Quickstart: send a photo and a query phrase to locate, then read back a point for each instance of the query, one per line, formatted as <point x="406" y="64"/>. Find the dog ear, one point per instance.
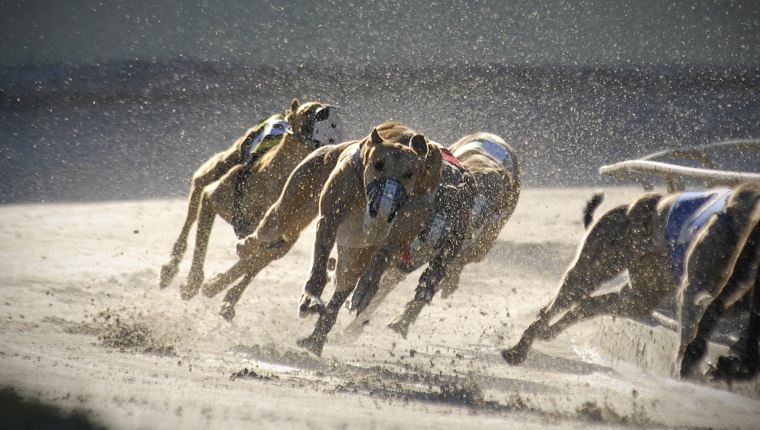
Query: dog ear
<point x="368" y="143"/>
<point x="322" y="114"/>
<point x="431" y="174"/>
<point x="375" y="137"/>
<point x="293" y="107"/>
<point x="419" y="144"/>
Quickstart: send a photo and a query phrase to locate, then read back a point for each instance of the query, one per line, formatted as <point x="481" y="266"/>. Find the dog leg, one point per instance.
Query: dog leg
<point x="251" y="268"/>
<point x="195" y="278"/>
<point x="518" y="353"/>
<point x="170" y="269"/>
<point x="315" y="342"/>
<point x="450" y="283"/>
<point x="369" y="283"/>
<point x="407" y="317"/>
<point x="709" y="268"/>
<point x="608" y="304"/>
<point x="227" y="310"/>
<point x="579" y="280"/>
<point x="745" y="361"/>
<point x="696" y="349"/>
<point x="411" y="219"/>
<point x="751" y="351"/>
<point x="356" y="326"/>
<point x="310" y="302"/>
<point x="222" y="281"/>
<point x="349" y="265"/>
<point x="436" y="275"/>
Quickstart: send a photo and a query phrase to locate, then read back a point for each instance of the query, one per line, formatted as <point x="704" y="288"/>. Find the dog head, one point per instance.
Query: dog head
<point x="396" y="164"/>
<point x="315" y="124"/>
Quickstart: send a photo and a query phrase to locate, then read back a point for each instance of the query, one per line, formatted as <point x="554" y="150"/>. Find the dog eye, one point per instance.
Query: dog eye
<point x="333" y="125"/>
<point x="379" y="166"/>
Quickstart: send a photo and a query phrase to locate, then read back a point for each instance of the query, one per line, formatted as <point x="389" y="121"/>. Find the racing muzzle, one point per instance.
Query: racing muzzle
<point x="327" y="128"/>
<point x="385" y="197"/>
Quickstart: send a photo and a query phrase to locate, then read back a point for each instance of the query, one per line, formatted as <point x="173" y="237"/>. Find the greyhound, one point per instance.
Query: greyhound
<point x="372" y="198"/>
<point x="462" y="228"/>
<point x="240" y="183"/>
<point x="699" y="246"/>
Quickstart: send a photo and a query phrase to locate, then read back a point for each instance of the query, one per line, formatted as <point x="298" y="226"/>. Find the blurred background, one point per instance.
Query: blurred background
<point x="124" y="100"/>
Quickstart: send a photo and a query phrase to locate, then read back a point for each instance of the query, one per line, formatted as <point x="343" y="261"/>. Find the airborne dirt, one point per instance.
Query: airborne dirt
<point x="85" y="328"/>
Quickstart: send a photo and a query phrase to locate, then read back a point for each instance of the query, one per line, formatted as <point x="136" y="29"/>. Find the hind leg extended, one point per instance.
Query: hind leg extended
<point x="518" y="353"/>
<point x="574" y="289"/>
<point x="170" y="269"/>
<point x="608" y="304"/>
<point x="250" y="267"/>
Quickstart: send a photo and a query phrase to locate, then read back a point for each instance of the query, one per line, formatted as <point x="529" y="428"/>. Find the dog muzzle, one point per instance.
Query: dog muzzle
<point x="385" y="197"/>
<point x="328" y="129"/>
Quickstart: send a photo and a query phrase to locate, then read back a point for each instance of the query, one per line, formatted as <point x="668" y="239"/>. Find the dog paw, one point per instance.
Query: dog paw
<point x="168" y="272"/>
<point x="514" y="356"/>
<point x="187" y="291"/>
<point x="400" y="325"/>
<point x="424" y="294"/>
<point x="310" y="305"/>
<point x="213" y="287"/>
<point x="361" y="298"/>
<point x="730" y="368"/>
<point x="312" y="344"/>
<point x="227" y="311"/>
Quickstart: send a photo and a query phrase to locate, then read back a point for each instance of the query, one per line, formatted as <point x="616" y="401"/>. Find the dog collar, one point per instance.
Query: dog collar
<point x="448" y="156"/>
<point x="309" y="142"/>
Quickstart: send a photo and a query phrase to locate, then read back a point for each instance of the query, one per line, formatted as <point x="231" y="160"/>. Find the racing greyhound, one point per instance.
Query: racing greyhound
<point x="240" y="183"/>
<point x="701" y="246"/>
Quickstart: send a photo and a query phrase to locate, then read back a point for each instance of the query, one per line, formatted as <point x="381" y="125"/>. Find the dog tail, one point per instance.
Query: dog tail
<point x="591" y="205"/>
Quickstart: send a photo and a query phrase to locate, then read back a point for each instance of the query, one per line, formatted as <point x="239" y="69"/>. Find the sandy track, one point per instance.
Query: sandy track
<point x="85" y="327"/>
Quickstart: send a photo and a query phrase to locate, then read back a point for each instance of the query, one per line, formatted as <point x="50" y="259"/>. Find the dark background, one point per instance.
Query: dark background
<point x="125" y="100"/>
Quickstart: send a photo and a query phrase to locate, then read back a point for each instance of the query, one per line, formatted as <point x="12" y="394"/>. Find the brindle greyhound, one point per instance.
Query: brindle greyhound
<point x="702" y="246"/>
<point x="461" y="229"/>
<point x="240" y="183"/>
<point x="373" y="198"/>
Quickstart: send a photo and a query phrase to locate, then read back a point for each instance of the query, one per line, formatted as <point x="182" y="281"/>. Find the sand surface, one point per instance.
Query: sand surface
<point x="85" y="328"/>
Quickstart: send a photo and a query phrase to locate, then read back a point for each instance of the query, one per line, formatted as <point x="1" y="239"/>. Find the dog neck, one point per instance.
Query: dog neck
<point x="304" y="139"/>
